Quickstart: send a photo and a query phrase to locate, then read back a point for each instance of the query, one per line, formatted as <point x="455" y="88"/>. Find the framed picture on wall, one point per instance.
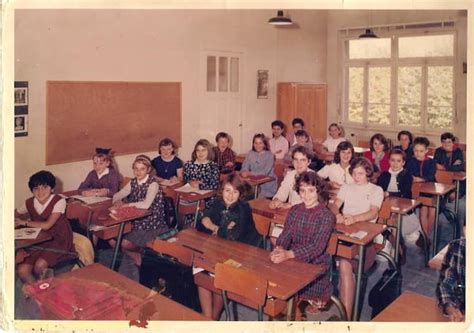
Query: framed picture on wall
<point x="21" y="125"/>
<point x="262" y="84"/>
<point x="21" y="96"/>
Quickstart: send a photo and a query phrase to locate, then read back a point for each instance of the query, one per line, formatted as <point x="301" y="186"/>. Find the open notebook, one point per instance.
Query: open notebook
<point x="27" y="233"/>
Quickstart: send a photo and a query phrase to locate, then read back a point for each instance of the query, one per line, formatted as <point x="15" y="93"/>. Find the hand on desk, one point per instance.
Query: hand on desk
<point x="454" y="314"/>
<point x="20" y="223"/>
<point x="229" y="165"/>
<point x="95" y="192"/>
<point x="275" y="204"/>
<point x="279" y="255"/>
<point x="245" y="174"/>
<point x="195" y="183"/>
<point x="346" y="219"/>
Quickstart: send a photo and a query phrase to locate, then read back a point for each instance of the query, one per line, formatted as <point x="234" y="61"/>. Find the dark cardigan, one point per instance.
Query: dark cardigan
<point x="441" y="157"/>
<point x="404" y="183"/>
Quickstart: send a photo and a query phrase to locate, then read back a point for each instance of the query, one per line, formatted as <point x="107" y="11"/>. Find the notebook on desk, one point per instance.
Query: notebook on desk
<point x="27" y="233"/>
<point x="189" y="189"/>
<point x="89" y="200"/>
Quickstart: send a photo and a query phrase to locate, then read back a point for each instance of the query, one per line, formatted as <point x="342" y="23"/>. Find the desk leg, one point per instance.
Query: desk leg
<point x="256" y="192"/>
<point x="197" y="213"/>
<point x="88" y="224"/>
<point x="456" y="201"/>
<point x="397" y="239"/>
<point x="289" y="311"/>
<point x="117" y="246"/>
<point x="360" y="271"/>
<point x="435" y="231"/>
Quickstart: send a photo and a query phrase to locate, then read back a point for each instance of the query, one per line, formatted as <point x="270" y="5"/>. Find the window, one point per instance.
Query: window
<point x="400" y="82"/>
<point x="222" y="74"/>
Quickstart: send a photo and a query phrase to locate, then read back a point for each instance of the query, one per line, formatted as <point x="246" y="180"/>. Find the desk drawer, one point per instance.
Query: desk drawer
<point x="346" y="251"/>
<point x="112" y="232"/>
<point x="273" y="307"/>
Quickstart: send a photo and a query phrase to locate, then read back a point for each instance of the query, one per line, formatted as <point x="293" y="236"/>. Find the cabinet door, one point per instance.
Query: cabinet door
<point x="311" y="106"/>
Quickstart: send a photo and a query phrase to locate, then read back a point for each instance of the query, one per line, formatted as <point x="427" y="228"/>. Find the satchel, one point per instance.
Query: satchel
<point x="385" y="291"/>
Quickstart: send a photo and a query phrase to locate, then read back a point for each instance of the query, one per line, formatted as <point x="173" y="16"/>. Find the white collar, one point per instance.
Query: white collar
<point x="395" y="172"/>
<point x="140" y="182"/>
<point x="39" y="204"/>
<point x="105" y="172"/>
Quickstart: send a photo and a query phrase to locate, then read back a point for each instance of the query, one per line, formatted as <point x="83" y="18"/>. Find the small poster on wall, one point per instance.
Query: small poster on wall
<point x="21" y="108"/>
<point x="262" y="84"/>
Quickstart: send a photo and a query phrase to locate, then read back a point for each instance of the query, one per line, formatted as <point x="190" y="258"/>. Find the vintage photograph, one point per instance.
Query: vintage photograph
<point x="262" y="86"/>
<point x="21" y="96"/>
<point x="21" y="124"/>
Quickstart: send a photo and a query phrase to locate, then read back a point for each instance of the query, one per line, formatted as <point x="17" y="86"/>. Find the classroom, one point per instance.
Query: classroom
<point x="233" y="72"/>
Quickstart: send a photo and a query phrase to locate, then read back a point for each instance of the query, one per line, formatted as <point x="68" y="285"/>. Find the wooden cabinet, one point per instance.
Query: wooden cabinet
<point x="306" y="101"/>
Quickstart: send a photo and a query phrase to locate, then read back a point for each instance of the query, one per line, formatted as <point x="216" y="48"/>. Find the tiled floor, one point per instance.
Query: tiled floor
<point x="416" y="277"/>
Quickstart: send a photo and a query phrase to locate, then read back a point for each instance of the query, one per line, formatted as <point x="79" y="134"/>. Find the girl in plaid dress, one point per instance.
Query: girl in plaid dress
<point x="306" y="234"/>
<point x="142" y="192"/>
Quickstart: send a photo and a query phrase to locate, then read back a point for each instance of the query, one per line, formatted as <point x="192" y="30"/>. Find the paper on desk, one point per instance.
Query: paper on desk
<point x="95" y="227"/>
<point x="277" y="229"/>
<point x="359" y="234"/>
<point x="197" y="270"/>
<point x="169" y="182"/>
<point x="89" y="200"/>
<point x="27" y="233"/>
<point x="189" y="189"/>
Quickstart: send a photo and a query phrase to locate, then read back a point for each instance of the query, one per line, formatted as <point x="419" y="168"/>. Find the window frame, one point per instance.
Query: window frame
<point x="394" y="62"/>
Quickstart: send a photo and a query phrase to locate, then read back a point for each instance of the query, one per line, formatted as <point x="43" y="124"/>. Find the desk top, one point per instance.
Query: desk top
<point x="437" y="261"/>
<point x="256" y="179"/>
<point x="460" y="175"/>
<point x="412" y="307"/>
<point x="372" y="229"/>
<point x="285" y="279"/>
<point x="262" y="206"/>
<point x="436" y="188"/>
<point x="360" y="150"/>
<point x="43" y="236"/>
<point x="162" y="307"/>
<point x="110" y="221"/>
<point x="402" y="205"/>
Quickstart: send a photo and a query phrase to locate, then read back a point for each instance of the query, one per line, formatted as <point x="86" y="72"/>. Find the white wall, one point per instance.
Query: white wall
<point x="338" y="19"/>
<point x="154" y="45"/>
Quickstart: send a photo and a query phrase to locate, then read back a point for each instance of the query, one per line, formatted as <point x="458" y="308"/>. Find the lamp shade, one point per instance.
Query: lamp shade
<point x="368" y="34"/>
<point x="280" y="19"/>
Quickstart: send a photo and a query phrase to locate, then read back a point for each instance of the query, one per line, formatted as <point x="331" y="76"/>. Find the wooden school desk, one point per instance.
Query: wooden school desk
<point x="21" y="244"/>
<point x="191" y="197"/>
<point x="256" y="181"/>
<point x="284" y="279"/>
<point x="437" y="190"/>
<point x="84" y="212"/>
<point x="344" y="232"/>
<point x="359" y="151"/>
<point x="410" y="306"/>
<point x="161" y="308"/>
<point x="400" y="206"/>
<point x="110" y="221"/>
<point x="437" y="261"/>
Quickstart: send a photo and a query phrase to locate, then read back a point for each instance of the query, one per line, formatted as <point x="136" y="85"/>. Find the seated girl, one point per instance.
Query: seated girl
<point x="405" y="138"/>
<point x="362" y="201"/>
<point x="397" y="182"/>
<point x="335" y="137"/>
<point x="168" y="165"/>
<point x="338" y="172"/>
<point x="229" y="217"/>
<point x="224" y="156"/>
<point x="278" y="143"/>
<point x="259" y="161"/>
<point x="142" y="192"/>
<point x="378" y="154"/>
<point x="423" y="169"/>
<point x="46" y="210"/>
<point x="305" y="236"/>
<point x="286" y="195"/>
<point x="104" y="180"/>
<point x="201" y="172"/>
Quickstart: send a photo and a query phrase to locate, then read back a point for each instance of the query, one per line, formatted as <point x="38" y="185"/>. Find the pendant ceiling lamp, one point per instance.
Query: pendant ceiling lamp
<point x="280" y="19"/>
<point x="368" y="34"/>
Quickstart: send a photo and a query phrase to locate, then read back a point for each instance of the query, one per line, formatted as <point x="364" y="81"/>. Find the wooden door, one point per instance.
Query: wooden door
<point x="306" y="101"/>
<point x="311" y="106"/>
